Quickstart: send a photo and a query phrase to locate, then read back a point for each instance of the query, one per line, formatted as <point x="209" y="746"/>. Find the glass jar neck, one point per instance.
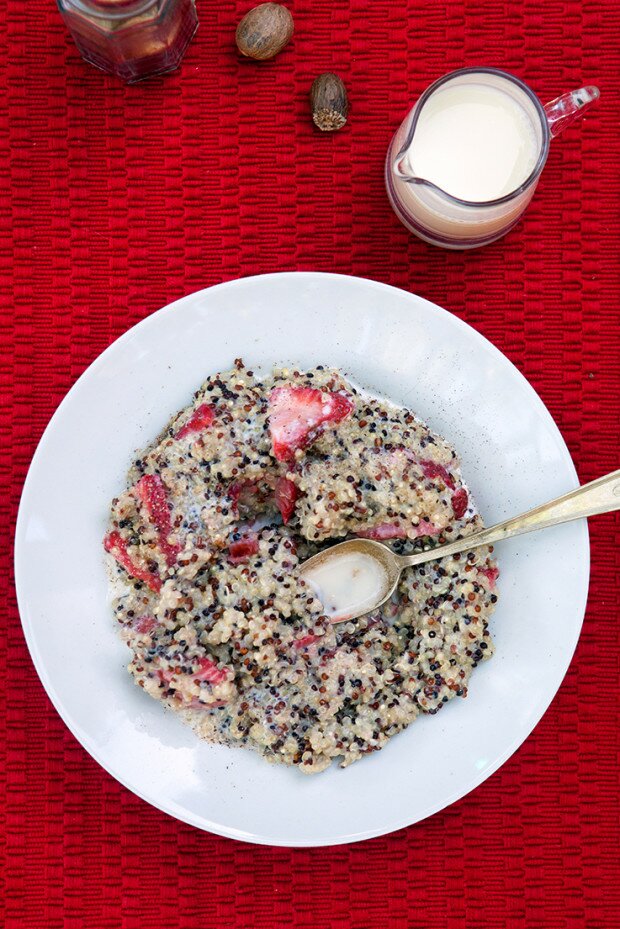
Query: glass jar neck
<point x="111" y="9"/>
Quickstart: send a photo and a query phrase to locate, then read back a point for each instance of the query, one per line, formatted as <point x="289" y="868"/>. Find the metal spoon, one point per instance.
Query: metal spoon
<point x="600" y="496"/>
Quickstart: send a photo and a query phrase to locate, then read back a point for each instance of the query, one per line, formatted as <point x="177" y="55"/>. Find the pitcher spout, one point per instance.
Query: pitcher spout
<point x="402" y="168"/>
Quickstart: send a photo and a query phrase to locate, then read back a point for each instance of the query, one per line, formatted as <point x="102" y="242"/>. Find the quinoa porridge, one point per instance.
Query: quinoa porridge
<point x="255" y="476"/>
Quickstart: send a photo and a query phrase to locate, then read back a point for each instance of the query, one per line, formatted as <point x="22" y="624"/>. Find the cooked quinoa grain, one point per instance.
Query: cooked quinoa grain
<point x="255" y="476"/>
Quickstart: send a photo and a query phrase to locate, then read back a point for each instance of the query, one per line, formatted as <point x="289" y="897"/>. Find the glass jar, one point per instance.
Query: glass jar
<point x="131" y="38"/>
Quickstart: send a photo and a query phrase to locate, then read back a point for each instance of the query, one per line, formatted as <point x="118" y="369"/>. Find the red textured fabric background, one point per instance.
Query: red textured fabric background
<point x="117" y="200"/>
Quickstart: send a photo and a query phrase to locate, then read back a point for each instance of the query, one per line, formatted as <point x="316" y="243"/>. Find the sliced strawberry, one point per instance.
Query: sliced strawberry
<point x="144" y="625"/>
<point x="306" y="640"/>
<point x="286" y="495"/>
<point x="460" y="501"/>
<point x="242" y="493"/>
<point x="425" y="527"/>
<point x="491" y="574"/>
<point x="165" y="676"/>
<point x="152" y="492"/>
<point x="431" y="470"/>
<point x="202" y="417"/>
<point x="209" y="671"/>
<point x="297" y="415"/>
<point x="383" y="531"/>
<point x="116" y="546"/>
<point x="242" y="549"/>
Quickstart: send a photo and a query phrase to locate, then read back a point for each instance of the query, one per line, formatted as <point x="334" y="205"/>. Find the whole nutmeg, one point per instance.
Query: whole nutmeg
<point x="328" y="99"/>
<point x="264" y="31"/>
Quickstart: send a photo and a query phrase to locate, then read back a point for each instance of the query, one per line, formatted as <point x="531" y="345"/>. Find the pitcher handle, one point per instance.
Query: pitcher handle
<point x="564" y="110"/>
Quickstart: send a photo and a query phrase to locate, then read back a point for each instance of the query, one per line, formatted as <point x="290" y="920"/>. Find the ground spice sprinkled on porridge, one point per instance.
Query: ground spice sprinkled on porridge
<point x="258" y="474"/>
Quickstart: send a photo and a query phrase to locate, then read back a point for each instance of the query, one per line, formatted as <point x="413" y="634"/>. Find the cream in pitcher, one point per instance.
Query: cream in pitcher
<point x="464" y="165"/>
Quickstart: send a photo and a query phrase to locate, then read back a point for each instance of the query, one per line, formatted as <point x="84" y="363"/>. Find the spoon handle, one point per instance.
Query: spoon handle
<point x="600" y="496"/>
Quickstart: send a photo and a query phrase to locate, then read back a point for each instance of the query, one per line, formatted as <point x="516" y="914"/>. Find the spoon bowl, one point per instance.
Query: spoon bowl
<point x="360" y="554"/>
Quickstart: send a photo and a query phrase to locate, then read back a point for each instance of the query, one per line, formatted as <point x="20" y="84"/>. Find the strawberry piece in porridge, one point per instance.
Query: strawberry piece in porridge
<point x="152" y="493"/>
<point x="116" y="546"/>
<point x="297" y="415"/>
<point x="202" y="417"/>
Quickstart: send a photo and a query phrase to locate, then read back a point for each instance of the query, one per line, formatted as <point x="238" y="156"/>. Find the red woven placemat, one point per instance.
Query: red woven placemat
<point x="117" y="200"/>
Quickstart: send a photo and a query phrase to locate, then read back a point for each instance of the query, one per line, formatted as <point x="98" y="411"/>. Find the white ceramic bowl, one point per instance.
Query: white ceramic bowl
<point x="393" y="343"/>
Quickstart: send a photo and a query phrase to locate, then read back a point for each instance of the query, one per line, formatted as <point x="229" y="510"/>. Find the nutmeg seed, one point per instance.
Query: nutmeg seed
<point x="264" y="31"/>
<point x="328" y="98"/>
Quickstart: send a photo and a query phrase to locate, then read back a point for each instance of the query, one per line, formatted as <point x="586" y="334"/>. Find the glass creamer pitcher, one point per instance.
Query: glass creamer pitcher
<point x="464" y="164"/>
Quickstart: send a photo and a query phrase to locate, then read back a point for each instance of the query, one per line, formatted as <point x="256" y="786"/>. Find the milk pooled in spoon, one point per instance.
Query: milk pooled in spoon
<point x="347" y="584"/>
